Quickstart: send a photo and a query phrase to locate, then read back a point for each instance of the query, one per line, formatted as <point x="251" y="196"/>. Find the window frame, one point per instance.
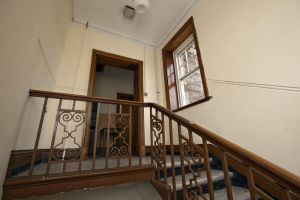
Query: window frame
<point x="185" y="35"/>
<point x="185" y="45"/>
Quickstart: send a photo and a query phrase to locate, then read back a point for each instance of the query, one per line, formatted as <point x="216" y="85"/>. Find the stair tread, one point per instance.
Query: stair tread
<point x="238" y="193"/>
<point x="177" y="162"/>
<point x="217" y="175"/>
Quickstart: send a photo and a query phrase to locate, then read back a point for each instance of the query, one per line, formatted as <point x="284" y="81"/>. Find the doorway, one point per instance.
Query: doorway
<point x="100" y="62"/>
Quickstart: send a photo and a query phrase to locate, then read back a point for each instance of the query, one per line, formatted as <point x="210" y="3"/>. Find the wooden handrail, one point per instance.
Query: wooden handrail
<point x="279" y="174"/>
<point x="59" y="95"/>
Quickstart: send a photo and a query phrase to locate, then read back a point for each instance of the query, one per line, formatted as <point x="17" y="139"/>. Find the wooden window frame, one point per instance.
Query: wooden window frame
<point x="180" y="37"/>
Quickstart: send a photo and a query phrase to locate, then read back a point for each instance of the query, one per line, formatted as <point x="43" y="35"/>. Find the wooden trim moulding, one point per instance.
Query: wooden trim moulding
<point x="167" y="55"/>
<point x="40" y="185"/>
<point x="193" y="104"/>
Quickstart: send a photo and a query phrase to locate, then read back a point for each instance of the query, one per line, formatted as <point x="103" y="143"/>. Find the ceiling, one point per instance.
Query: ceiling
<point x="150" y="28"/>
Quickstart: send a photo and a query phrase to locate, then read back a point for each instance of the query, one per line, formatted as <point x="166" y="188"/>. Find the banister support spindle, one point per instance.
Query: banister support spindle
<point x="37" y="140"/>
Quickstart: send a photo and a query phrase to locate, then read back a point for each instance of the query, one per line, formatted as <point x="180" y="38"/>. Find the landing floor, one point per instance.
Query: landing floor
<point x="128" y="191"/>
<point x="57" y="167"/>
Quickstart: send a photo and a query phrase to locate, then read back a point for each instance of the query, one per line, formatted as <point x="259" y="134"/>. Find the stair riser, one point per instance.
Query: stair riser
<point x="29" y="187"/>
<point x="237" y="179"/>
<point x="216" y="185"/>
<point x="178" y="170"/>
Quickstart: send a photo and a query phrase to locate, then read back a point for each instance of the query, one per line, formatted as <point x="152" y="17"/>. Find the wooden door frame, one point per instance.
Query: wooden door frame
<point x="118" y="61"/>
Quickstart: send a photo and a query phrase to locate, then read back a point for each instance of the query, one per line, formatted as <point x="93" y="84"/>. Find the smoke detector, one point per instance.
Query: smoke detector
<point x="141" y="6"/>
<point x="128" y="12"/>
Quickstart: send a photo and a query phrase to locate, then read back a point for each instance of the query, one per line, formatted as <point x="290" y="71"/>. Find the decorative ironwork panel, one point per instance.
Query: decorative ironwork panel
<point x="120" y="145"/>
<point x="71" y="121"/>
<point x="193" y="155"/>
<point x="157" y="148"/>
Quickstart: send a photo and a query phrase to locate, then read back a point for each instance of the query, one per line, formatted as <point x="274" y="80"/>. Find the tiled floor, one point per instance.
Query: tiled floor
<point x="128" y="191"/>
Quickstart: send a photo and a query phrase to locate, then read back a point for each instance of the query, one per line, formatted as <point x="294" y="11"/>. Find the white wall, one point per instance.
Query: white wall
<point x="32" y="35"/>
<point x="245" y="45"/>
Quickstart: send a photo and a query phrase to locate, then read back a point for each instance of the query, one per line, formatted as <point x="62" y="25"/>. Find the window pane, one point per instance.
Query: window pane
<point x="192" y="57"/>
<point x="182" y="64"/>
<point x="191" y="88"/>
<point x="187" y="60"/>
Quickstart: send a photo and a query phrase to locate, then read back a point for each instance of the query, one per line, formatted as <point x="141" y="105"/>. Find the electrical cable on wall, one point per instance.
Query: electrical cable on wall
<point x="156" y="71"/>
<point x="80" y="55"/>
<point x="77" y="70"/>
<point x="144" y="78"/>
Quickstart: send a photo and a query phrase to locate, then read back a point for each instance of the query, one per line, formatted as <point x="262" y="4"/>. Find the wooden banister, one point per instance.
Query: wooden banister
<point x="258" y="171"/>
<point x="281" y="175"/>
<point x="65" y="96"/>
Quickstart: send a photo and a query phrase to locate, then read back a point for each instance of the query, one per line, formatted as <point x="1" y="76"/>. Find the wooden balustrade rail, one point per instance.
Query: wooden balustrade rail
<point x="264" y="177"/>
<point x="279" y="174"/>
<point x="118" y="129"/>
<point x="65" y="96"/>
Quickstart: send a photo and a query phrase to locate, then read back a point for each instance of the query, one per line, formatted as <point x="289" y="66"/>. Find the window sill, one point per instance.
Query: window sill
<point x="193" y="104"/>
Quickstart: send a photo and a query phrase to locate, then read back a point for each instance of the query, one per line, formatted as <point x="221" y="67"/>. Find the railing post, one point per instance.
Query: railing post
<point x="130" y="135"/>
<point x="226" y="176"/>
<point x="151" y="136"/>
<point x="37" y="140"/>
<point x="107" y="137"/>
<point x="164" y="148"/>
<point x="96" y="136"/>
<point x="53" y="137"/>
<point x="182" y="168"/>
<point x="139" y="111"/>
<point x="208" y="170"/>
<point x="251" y="183"/>
<point x="172" y="160"/>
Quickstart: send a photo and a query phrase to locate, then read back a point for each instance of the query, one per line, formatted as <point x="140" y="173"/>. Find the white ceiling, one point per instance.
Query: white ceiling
<point x="150" y="28"/>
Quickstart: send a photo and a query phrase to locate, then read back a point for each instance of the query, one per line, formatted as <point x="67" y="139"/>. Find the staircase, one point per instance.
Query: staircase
<point x="182" y="160"/>
<point x="239" y="190"/>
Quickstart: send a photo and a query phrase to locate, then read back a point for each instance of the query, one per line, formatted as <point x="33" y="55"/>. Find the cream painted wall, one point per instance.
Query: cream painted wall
<point x="32" y="36"/>
<point x="245" y="44"/>
<point x="76" y="62"/>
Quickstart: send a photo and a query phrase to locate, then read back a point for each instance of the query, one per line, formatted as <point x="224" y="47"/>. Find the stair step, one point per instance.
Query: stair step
<point x="217" y="175"/>
<point x="237" y="192"/>
<point x="177" y="162"/>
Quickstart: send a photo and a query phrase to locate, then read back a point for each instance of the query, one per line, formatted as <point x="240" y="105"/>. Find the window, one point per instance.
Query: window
<point x="188" y="76"/>
<point x="183" y="69"/>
